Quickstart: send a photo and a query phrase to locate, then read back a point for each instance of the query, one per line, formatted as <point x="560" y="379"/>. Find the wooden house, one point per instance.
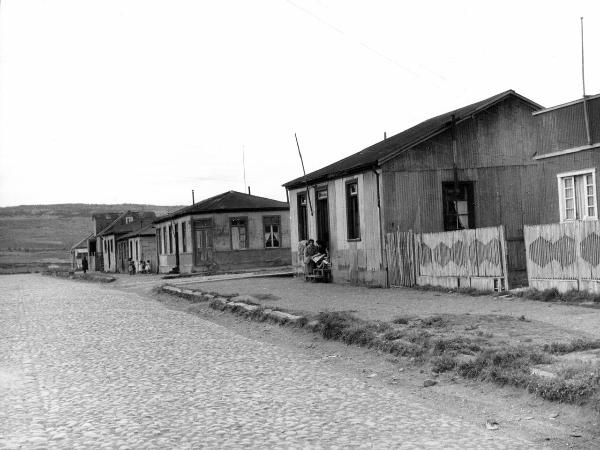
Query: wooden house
<point x="99" y="222"/>
<point x="229" y="231"/>
<point x="561" y="184"/>
<point x="140" y="247"/>
<point x="113" y="258"/>
<point x="462" y="169"/>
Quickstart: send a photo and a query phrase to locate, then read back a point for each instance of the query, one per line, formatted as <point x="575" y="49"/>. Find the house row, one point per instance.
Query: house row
<point x="227" y="232"/>
<point x="504" y="160"/>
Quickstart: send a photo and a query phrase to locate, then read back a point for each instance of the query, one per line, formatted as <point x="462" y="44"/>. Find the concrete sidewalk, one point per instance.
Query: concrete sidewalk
<point x="553" y="320"/>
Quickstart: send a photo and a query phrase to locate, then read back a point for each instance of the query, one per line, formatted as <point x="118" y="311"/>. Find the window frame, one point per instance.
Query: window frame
<point x="356" y="235"/>
<point x="278" y="224"/>
<point x="247" y="237"/>
<point x="562" y="204"/>
<point x="470" y="189"/>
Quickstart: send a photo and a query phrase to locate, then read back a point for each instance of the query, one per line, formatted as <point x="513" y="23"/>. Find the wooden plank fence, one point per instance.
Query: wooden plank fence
<point x="464" y="258"/>
<point x="564" y="256"/>
<point x="400" y="252"/>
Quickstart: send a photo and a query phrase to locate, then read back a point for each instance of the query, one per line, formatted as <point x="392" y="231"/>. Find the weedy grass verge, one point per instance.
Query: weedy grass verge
<point x="445" y="344"/>
<point x="553" y="295"/>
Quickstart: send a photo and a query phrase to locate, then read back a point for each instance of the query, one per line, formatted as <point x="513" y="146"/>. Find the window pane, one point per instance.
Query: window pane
<point x="570" y="203"/>
<point x="591" y="211"/>
<point x="568" y="182"/>
<point x="463" y="221"/>
<point x="589" y="179"/>
<point x="569" y="193"/>
<point x="462" y="207"/>
<point x="570" y="214"/>
<point x="590" y="190"/>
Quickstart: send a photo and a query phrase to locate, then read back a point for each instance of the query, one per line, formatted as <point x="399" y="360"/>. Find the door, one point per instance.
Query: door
<point x="203" y="245"/>
<point x="323" y="218"/>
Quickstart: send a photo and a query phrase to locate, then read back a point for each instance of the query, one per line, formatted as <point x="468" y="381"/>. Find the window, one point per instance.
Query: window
<point x="577" y="195"/>
<point x="459" y="205"/>
<point x="170" y="239"/>
<point x="272" y="227"/>
<point x="302" y="217"/>
<point x="239" y="234"/>
<point x="352" y="216"/>
<point x="131" y="249"/>
<point x="128" y="219"/>
<point x="136" y="250"/>
<point x="183" y="241"/>
<point x="112" y="248"/>
<point x="164" y="240"/>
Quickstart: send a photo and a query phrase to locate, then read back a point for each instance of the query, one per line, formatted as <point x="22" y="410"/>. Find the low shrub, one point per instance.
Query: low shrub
<point x="444" y="363"/>
<point x="562" y="348"/>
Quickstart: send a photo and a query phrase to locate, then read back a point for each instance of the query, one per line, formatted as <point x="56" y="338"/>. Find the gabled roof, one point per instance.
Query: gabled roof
<point x="117" y="227"/>
<point x="372" y="156"/>
<point x="82" y="243"/>
<point x="147" y="230"/>
<point x="231" y="201"/>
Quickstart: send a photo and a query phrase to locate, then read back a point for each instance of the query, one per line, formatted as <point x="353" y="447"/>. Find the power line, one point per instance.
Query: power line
<point x="368" y="47"/>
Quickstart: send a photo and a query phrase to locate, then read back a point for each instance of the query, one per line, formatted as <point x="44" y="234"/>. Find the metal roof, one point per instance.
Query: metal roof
<point x="231" y="201"/>
<point x="373" y="155"/>
<point x="147" y="230"/>
<point x="116" y="227"/>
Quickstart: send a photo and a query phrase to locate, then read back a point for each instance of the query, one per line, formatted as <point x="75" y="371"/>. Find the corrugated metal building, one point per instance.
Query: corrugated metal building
<point x="463" y="169"/>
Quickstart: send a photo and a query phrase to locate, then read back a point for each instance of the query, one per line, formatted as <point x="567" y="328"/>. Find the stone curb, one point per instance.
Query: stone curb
<point x="244" y="304"/>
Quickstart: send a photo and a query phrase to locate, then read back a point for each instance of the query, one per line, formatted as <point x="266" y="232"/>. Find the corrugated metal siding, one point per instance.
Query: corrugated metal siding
<point x="594" y="115"/>
<point x="561" y="129"/>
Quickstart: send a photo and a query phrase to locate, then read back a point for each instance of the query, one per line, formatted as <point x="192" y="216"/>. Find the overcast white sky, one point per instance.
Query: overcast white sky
<point x="118" y="101"/>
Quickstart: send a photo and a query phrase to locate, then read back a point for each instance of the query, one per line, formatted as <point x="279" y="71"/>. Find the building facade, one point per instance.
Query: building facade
<point x="230" y="231"/>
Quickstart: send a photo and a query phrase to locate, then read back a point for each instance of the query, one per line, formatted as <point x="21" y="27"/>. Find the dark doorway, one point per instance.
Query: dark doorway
<point x="322" y="218"/>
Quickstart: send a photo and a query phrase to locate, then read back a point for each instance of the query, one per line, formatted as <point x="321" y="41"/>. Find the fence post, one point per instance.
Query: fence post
<point x="502" y="240"/>
<point x="579" y="229"/>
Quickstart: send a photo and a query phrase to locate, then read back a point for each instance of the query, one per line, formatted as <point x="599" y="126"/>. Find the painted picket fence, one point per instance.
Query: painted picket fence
<point x="463" y="258"/>
<point x="564" y="256"/>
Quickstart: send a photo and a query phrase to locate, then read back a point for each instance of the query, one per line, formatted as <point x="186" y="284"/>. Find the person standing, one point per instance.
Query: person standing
<point x="309" y="251"/>
<point x="84" y="264"/>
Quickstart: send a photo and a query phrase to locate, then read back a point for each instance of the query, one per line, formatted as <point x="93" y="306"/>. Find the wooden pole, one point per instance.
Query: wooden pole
<point x="305" y="179"/>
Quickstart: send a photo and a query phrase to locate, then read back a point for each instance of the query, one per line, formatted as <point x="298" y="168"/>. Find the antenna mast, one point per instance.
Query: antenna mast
<point x="582" y="60"/>
<point x="244" y="166"/>
<point x="585" y="106"/>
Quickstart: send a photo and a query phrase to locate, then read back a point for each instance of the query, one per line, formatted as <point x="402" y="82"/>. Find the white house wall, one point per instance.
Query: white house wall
<point x="353" y="261"/>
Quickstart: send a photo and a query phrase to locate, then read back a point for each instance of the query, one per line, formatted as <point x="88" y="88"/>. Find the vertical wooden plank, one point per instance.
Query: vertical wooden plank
<point x="502" y="239"/>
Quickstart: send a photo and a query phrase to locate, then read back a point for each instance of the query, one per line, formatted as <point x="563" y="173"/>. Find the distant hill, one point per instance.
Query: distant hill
<point x="37" y="228"/>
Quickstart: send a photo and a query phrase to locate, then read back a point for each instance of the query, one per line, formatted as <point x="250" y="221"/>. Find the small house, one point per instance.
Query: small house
<point x="140" y="247"/>
<point x="229" y="231"/>
<point x="100" y="221"/>
<point x="80" y="251"/>
<point x="113" y="258"/>
<point x="462" y="169"/>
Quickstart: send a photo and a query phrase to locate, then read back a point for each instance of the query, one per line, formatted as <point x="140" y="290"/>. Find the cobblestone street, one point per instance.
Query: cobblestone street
<point x="88" y="366"/>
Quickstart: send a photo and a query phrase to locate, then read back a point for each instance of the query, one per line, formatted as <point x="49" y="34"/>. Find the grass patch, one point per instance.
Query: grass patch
<point x="464" y="290"/>
<point x="553" y="295"/>
<point x="578" y="345"/>
<point x="444" y="363"/>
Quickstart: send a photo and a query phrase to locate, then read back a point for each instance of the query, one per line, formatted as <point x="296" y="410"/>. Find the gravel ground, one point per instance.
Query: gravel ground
<point x="552" y="319"/>
<point x="87" y="366"/>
